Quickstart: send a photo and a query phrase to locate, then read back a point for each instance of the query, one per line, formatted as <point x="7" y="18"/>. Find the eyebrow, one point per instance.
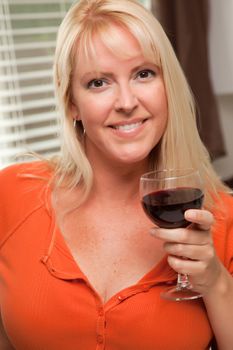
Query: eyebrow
<point x="111" y="74"/>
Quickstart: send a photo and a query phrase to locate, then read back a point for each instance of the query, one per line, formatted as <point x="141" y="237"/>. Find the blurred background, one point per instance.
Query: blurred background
<point x="201" y="33"/>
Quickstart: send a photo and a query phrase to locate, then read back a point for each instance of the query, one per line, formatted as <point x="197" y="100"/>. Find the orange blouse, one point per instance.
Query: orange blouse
<point x="47" y="302"/>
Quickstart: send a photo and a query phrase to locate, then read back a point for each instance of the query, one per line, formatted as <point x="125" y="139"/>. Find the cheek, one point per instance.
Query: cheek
<point x="93" y="119"/>
<point x="159" y="108"/>
<point x="155" y="98"/>
<point x="160" y="100"/>
<point x="95" y="109"/>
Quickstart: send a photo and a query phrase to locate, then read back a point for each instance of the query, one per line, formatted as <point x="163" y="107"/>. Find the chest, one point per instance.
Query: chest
<point x="113" y="248"/>
<point x="44" y="310"/>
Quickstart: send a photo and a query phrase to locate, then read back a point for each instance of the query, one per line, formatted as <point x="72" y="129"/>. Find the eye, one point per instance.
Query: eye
<point x="145" y="74"/>
<point x="96" y="83"/>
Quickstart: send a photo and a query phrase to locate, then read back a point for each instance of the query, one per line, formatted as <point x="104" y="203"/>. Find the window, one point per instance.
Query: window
<point x="28" y="121"/>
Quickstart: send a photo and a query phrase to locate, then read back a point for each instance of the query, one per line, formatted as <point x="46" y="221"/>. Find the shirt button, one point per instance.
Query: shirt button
<point x="120" y="297"/>
<point x="101" y="311"/>
<point x="100" y="339"/>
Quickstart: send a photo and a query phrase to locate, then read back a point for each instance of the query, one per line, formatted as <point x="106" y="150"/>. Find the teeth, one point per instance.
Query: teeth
<point x="127" y="127"/>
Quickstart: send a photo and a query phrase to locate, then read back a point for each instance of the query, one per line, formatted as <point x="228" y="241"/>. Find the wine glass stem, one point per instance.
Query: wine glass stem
<point x="183" y="281"/>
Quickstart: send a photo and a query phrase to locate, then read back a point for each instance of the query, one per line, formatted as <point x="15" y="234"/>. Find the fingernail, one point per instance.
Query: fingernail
<point x="189" y="214"/>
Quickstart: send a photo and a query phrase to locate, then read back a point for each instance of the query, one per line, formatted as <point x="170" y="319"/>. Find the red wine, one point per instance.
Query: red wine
<point x="166" y="207"/>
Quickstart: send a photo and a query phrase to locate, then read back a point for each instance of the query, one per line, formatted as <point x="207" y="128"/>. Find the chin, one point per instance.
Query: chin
<point x="133" y="158"/>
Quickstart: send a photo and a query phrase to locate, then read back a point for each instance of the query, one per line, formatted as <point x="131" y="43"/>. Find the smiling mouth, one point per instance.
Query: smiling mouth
<point x="128" y="127"/>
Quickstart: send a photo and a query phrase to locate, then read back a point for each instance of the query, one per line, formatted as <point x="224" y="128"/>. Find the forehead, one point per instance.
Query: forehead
<point x="113" y="42"/>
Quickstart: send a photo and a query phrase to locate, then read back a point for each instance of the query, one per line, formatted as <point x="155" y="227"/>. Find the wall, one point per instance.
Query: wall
<point x="224" y="165"/>
<point x="221" y="59"/>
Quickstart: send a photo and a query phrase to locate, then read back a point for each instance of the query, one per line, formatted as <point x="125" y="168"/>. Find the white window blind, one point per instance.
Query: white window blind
<point x="28" y="121"/>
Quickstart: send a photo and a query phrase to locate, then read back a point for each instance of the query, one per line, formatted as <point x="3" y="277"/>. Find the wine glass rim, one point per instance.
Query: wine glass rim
<point x="189" y="171"/>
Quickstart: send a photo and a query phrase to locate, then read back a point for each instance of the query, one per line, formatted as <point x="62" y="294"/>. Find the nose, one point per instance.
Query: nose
<point x="126" y="100"/>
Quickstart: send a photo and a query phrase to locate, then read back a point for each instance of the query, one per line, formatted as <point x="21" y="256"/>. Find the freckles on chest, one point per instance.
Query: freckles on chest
<point x="46" y="309"/>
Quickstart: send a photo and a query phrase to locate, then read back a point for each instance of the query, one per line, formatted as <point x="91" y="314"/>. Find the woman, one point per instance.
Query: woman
<point x="78" y="267"/>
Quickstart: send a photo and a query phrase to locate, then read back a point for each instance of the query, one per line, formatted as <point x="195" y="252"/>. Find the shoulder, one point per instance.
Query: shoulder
<point x="18" y="179"/>
<point x="37" y="168"/>
<point x="21" y="187"/>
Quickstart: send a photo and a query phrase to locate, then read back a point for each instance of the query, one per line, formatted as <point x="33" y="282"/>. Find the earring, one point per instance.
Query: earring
<point x="75" y="122"/>
<point x="79" y="125"/>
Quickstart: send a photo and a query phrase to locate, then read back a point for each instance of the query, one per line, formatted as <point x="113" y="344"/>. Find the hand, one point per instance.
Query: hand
<point x="191" y="250"/>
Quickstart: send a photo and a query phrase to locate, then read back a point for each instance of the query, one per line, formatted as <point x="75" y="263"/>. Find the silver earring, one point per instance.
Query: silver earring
<point x="77" y="124"/>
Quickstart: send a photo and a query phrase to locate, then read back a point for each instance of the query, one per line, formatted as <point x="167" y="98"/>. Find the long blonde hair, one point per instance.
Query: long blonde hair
<point x="180" y="145"/>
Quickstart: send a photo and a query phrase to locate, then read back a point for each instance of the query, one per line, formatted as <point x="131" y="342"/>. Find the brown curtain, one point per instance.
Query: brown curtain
<point x="186" y="24"/>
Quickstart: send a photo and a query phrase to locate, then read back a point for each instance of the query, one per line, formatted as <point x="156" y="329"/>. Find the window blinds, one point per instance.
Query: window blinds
<point x="28" y="121"/>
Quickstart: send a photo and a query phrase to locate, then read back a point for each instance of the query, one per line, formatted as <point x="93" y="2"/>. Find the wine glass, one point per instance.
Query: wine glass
<point x="165" y="196"/>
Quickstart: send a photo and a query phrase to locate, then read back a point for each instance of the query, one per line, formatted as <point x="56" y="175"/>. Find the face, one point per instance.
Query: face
<point x="121" y="103"/>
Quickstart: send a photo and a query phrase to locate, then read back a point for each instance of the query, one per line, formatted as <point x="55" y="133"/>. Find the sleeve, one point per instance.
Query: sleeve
<point x="21" y="186"/>
<point x="229" y="234"/>
<point x="222" y="231"/>
<point x="8" y="202"/>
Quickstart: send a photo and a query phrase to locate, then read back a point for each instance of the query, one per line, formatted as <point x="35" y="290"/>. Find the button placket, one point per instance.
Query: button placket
<point x="100" y="328"/>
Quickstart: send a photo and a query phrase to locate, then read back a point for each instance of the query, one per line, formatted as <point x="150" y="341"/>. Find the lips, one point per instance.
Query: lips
<point x="127" y="127"/>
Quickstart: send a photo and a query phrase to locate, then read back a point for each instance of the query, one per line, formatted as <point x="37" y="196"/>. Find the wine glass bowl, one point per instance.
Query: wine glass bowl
<point x="165" y="196"/>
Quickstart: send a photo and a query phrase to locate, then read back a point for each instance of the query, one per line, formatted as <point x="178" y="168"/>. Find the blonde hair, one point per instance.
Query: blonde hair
<point x="180" y="145"/>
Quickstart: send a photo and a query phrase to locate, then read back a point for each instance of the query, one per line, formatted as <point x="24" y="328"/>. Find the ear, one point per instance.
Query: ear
<point x="74" y="112"/>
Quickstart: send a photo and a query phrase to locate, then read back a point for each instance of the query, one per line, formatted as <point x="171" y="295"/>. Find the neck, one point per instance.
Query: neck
<point x="118" y="183"/>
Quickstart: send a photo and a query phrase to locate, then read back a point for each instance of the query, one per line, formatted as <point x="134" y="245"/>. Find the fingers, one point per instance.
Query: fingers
<point x="193" y="252"/>
<point x="182" y="235"/>
<point x="186" y="267"/>
<point x="203" y="218"/>
<point x="202" y="274"/>
<point x="197" y="233"/>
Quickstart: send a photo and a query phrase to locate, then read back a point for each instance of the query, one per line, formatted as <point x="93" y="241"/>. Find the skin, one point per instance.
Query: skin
<point x="121" y="93"/>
